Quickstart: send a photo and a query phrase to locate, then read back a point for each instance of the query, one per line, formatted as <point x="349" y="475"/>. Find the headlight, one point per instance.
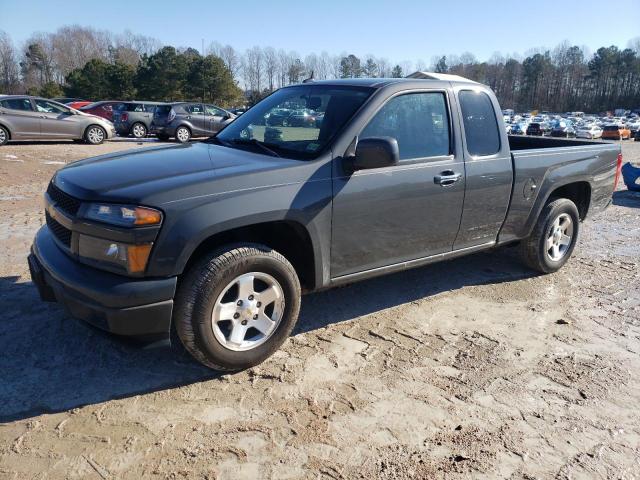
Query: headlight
<point x="128" y="258"/>
<point x="123" y="215"/>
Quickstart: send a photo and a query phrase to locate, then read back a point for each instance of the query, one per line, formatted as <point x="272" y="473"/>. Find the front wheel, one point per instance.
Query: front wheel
<point x="553" y="238"/>
<point x="95" y="135"/>
<point x="236" y="306"/>
<point x="4" y="136"/>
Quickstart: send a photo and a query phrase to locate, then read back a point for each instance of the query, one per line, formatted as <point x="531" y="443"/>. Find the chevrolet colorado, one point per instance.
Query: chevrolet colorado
<point x="217" y="239"/>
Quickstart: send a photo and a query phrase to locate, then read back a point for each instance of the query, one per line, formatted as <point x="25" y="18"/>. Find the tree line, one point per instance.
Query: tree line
<point x="94" y="64"/>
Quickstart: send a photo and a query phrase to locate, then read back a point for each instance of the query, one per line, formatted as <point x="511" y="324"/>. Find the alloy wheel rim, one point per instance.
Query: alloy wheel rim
<point x="559" y="237"/>
<point x="183" y="134"/>
<point x="3" y="136"/>
<point x="96" y="135"/>
<point x="248" y="311"/>
<point x="138" y="131"/>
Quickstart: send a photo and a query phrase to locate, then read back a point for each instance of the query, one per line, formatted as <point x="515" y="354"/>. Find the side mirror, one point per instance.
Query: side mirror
<point x="226" y="117"/>
<point x="376" y="152"/>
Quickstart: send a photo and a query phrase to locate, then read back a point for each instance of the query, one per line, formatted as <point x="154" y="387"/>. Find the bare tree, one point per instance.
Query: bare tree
<point x="271" y="67"/>
<point x="9" y="72"/>
<point x="323" y="66"/>
<point x="311" y="65"/>
<point x="231" y="59"/>
<point x="384" y="68"/>
<point x="253" y="68"/>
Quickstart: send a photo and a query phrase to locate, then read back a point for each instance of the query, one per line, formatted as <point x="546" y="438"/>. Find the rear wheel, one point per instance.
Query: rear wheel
<point x="236" y="306"/>
<point x="139" y="130"/>
<point x="554" y="237"/>
<point x="183" y="135"/>
<point x="95" y="135"/>
<point x="4" y="136"/>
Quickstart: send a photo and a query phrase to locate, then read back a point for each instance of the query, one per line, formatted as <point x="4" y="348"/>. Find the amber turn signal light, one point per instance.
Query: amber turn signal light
<point x="147" y="216"/>
<point x="137" y="256"/>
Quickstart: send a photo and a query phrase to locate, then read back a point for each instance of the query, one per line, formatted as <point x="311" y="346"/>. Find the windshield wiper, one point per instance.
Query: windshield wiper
<point x="253" y="141"/>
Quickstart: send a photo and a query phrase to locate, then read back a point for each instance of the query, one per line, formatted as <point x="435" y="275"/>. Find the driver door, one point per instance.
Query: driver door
<point x="57" y="121"/>
<point x="389" y="215"/>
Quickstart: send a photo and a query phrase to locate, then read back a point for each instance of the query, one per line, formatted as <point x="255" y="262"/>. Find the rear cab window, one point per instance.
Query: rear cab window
<point x="480" y="123"/>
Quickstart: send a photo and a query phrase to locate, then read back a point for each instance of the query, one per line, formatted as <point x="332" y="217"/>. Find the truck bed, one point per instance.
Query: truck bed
<point x="521" y="142"/>
<point x="543" y="164"/>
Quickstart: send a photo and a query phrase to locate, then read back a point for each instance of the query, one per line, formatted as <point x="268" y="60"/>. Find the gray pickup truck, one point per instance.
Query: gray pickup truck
<point x="217" y="239"/>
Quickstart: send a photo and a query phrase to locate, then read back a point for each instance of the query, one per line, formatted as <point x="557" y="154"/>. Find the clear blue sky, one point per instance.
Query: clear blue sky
<point x="399" y="29"/>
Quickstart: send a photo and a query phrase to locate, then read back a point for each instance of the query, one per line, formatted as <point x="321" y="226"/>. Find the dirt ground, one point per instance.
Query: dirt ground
<point x="473" y="368"/>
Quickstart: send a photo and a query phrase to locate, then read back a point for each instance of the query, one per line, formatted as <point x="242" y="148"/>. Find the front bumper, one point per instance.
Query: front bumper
<point x="139" y="308"/>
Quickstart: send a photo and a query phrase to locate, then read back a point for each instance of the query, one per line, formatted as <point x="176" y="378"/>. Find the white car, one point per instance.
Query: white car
<point x="590" y="133"/>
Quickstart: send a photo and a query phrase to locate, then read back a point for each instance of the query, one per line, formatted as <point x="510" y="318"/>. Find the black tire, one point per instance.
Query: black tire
<point x="185" y="137"/>
<point x="4" y="136"/>
<point x="533" y="249"/>
<point x="139" y="130"/>
<point x="207" y="279"/>
<point x="94" y="140"/>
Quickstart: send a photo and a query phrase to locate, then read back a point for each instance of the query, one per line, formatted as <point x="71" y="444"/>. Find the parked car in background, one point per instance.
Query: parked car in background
<point x="615" y="132"/>
<point x="636" y="137"/>
<point x="24" y="117"/>
<point x="67" y="100"/>
<point x="535" y="129"/>
<point x="185" y="120"/>
<point x="563" y="128"/>
<point x="78" y="105"/>
<point x="134" y="118"/>
<point x="590" y="132"/>
<point x="633" y="126"/>
<point x="102" y="109"/>
<point x="300" y="118"/>
<point x="238" y="111"/>
<point x="278" y="117"/>
<point x="518" y="129"/>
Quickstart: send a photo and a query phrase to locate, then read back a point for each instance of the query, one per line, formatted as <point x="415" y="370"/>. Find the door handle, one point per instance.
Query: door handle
<point x="448" y="177"/>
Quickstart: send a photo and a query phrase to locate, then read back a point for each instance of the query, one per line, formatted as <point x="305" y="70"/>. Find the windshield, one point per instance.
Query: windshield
<point x="297" y="122"/>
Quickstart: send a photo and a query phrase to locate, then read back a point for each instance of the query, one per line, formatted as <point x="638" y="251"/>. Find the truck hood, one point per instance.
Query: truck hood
<point x="167" y="173"/>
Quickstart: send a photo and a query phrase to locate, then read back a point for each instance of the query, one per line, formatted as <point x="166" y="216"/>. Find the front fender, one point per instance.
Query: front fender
<point x="196" y="220"/>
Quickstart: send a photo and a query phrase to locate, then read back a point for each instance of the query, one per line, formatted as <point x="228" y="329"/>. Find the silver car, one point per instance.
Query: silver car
<point x="24" y="117"/>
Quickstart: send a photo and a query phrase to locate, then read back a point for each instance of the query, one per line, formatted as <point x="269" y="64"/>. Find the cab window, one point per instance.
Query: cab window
<point x="418" y="121"/>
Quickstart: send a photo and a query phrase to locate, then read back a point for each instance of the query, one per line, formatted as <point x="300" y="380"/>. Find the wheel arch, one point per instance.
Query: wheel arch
<point x="288" y="237"/>
<point x="4" y="125"/>
<point x="578" y="191"/>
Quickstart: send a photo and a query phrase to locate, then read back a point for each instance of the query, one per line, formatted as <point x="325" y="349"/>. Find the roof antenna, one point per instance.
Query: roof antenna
<point x="310" y="79"/>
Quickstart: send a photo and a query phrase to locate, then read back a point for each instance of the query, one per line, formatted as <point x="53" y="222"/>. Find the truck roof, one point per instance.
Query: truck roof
<point x="413" y="79"/>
